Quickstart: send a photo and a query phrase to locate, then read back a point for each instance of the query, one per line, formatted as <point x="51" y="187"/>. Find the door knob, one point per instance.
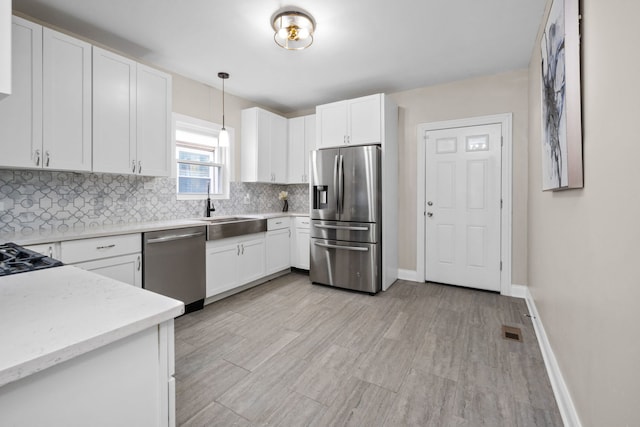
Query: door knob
<point x="429" y="214"/>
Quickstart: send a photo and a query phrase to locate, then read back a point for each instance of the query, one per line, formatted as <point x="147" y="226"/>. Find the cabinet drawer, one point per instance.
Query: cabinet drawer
<point x="278" y="223"/>
<point x="100" y="247"/>
<point x="302" y="222"/>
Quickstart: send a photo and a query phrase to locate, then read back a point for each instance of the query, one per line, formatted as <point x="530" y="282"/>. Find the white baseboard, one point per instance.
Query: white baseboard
<point x="411" y="275"/>
<point x="563" y="398"/>
<point x="519" y="291"/>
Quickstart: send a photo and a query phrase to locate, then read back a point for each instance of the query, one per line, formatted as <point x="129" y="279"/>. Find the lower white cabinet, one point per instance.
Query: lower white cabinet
<point x="301" y="232"/>
<point x="116" y="257"/>
<point x="125" y="268"/>
<point x="127" y="382"/>
<point x="234" y="262"/>
<point x="278" y="244"/>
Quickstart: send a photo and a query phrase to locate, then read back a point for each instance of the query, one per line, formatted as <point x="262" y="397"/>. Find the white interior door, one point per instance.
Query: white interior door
<point x="462" y="221"/>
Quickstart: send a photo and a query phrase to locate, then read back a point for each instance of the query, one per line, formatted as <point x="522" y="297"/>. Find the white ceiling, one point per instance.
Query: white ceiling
<point x="360" y="47"/>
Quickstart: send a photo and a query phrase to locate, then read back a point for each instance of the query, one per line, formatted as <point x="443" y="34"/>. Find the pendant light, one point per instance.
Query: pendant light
<point x="223" y="136"/>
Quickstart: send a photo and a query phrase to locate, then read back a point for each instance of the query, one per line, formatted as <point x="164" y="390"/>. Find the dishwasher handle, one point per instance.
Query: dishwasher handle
<point x="174" y="237"/>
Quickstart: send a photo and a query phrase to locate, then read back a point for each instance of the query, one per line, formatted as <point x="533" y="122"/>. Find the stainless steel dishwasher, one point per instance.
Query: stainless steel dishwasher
<point x="174" y="264"/>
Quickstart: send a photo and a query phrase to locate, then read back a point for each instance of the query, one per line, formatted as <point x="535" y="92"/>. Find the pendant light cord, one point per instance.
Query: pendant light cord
<point x="223" y="103"/>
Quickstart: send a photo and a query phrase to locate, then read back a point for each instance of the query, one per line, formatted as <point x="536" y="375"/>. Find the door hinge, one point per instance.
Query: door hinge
<point x="500" y="203"/>
<point x="500" y="265"/>
<point x="502" y="141"/>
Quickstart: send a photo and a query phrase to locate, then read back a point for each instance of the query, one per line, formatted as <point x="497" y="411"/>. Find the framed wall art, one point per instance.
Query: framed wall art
<point x="561" y="100"/>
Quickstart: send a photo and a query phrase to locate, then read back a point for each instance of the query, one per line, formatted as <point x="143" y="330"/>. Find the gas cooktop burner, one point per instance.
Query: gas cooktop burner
<point x="16" y="259"/>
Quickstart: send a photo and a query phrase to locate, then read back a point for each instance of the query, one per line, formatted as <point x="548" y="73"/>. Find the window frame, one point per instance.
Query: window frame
<point x="181" y="121"/>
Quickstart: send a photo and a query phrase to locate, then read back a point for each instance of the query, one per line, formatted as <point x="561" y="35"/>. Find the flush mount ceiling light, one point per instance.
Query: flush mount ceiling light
<point x="293" y="30"/>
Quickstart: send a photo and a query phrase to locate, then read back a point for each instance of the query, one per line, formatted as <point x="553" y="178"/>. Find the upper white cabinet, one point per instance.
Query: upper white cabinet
<point x="302" y="137"/>
<point x="5" y="48"/>
<point x="46" y="122"/>
<point x="264" y="146"/>
<point x="21" y="113"/>
<point x="66" y="102"/>
<point x="131" y="116"/>
<point x="356" y="121"/>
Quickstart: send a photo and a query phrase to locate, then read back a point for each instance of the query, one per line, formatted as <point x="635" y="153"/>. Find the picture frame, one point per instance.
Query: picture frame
<point x="561" y="119"/>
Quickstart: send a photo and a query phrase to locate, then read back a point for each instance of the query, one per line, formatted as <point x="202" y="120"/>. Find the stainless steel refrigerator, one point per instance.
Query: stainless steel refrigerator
<point x="345" y="198"/>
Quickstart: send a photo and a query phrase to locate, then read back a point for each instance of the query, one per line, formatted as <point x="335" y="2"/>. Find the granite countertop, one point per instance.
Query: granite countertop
<point x="53" y="315"/>
<point x="134" y="227"/>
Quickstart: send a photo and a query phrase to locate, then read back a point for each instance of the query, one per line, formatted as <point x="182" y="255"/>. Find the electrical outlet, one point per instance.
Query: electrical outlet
<point x="247" y="199"/>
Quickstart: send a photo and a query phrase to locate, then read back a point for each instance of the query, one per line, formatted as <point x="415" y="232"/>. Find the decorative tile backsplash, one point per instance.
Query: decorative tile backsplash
<point x="60" y="201"/>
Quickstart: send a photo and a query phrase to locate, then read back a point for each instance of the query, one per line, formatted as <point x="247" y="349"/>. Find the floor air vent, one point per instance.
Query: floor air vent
<point x="511" y="333"/>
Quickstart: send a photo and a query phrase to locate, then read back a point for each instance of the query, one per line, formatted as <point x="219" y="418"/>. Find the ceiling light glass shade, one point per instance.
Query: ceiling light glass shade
<point x="293" y="30"/>
<point x="223" y="138"/>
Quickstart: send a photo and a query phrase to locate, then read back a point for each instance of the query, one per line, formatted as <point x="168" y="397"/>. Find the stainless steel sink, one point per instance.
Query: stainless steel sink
<point x="221" y="228"/>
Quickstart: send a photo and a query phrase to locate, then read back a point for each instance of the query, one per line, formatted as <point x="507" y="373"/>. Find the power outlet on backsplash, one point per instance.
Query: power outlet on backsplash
<point x="247" y="199"/>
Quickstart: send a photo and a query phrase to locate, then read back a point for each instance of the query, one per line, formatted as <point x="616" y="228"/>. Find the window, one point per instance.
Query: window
<point x="201" y="163"/>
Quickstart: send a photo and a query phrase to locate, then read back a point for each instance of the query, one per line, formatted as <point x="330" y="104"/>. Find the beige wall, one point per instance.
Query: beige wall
<point x="502" y="93"/>
<point x="583" y="253"/>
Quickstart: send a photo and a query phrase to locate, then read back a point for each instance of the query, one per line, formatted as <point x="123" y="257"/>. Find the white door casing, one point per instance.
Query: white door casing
<point x="463" y="206"/>
<point x="505" y="179"/>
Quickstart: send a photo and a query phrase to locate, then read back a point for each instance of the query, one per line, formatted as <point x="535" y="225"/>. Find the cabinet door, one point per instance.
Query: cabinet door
<point x="278" y="149"/>
<point x="252" y="260"/>
<point x="297" y="150"/>
<point x="21" y="113"/>
<point x="125" y="268"/>
<point x="66" y="102"/>
<point x="365" y="121"/>
<point x="222" y="266"/>
<point x="302" y="248"/>
<point x="5" y="48"/>
<point x="331" y="124"/>
<point x="263" y="143"/>
<point x="309" y="142"/>
<point x="278" y="250"/>
<point x="114" y="112"/>
<point x="153" y="121"/>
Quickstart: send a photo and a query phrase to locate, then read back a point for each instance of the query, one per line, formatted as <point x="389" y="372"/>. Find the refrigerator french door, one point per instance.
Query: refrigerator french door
<point x="345" y="192"/>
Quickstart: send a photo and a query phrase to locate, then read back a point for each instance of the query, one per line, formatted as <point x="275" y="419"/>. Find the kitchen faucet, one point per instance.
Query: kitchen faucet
<point x="209" y="208"/>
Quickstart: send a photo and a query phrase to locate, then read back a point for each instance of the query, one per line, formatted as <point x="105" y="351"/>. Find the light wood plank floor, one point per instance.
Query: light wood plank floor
<point x="289" y="353"/>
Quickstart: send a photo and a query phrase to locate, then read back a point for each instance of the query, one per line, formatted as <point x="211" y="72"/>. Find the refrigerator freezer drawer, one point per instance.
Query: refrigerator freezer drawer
<point x="349" y="265"/>
<point x="364" y="232"/>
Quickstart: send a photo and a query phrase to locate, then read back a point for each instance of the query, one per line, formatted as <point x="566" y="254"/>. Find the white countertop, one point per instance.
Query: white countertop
<point x="53" y="315"/>
<point x="134" y="227"/>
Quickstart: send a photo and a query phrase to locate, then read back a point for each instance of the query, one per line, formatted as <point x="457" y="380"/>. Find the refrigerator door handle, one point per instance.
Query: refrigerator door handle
<point x="347" y="248"/>
<point x="335" y="182"/>
<point x="341" y="185"/>
<point x="341" y="227"/>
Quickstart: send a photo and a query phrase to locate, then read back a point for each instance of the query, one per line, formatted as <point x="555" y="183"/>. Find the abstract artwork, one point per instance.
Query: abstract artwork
<point x="561" y="110"/>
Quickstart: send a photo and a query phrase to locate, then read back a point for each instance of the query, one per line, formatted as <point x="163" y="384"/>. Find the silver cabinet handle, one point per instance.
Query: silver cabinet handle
<point x="48" y="158"/>
<point x="279" y="222"/>
<point x="175" y="237"/>
<point x="50" y="251"/>
<point x="340" y="227"/>
<point x="304" y="222"/>
<point x="242" y="248"/>
<point x="133" y="166"/>
<point x="139" y="166"/>
<point x="37" y="157"/>
<point x="139" y="263"/>
<point x="106" y="246"/>
<point x="238" y="247"/>
<point x="346" y="248"/>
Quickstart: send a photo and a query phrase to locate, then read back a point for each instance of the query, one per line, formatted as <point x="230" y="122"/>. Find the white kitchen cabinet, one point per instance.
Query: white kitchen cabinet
<point x="116" y="257"/>
<point x="125" y="268"/>
<point x="21" y="113"/>
<point x="356" y="121"/>
<point x="5" y="48"/>
<point x="126" y="382"/>
<point x="234" y="262"/>
<point x="131" y="115"/>
<point x="300" y="241"/>
<point x="46" y="122"/>
<point x="52" y="250"/>
<point x="278" y="244"/>
<point x="264" y="146"/>
<point x="66" y="102"/>
<point x="302" y="136"/>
